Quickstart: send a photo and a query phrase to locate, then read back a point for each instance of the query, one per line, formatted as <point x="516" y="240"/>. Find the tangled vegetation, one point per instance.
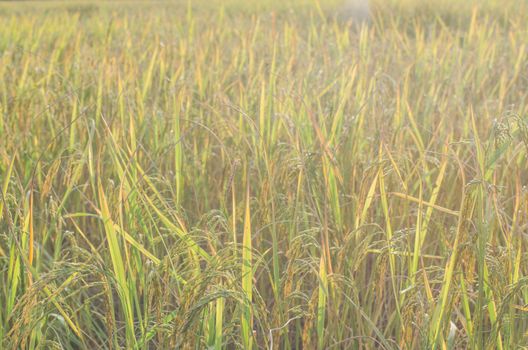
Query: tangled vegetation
<point x="263" y="174"/>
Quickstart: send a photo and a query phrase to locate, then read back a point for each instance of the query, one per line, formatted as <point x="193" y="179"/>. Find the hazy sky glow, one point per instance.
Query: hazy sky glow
<point x="357" y="9"/>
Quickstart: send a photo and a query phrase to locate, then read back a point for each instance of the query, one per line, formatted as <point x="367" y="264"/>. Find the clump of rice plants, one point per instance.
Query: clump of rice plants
<point x="263" y="175"/>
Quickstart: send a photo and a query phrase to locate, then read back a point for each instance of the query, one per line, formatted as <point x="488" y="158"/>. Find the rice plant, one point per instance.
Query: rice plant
<point x="264" y="174"/>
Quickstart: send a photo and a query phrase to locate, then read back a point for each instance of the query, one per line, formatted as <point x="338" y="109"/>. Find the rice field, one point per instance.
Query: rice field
<point x="264" y="175"/>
